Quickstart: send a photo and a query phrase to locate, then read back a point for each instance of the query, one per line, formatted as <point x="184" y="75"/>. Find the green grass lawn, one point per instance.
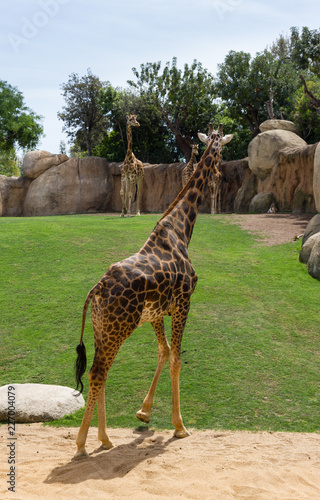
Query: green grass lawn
<point x="250" y="351"/>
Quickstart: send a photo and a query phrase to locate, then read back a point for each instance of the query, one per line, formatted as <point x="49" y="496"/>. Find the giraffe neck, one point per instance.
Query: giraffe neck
<point x="182" y="213"/>
<point x="190" y="164"/>
<point x="129" y="137"/>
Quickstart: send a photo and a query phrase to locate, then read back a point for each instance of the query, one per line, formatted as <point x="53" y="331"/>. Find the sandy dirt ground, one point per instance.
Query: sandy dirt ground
<point x="151" y="464"/>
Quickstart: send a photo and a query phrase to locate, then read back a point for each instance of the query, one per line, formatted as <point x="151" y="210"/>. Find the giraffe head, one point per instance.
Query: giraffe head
<point x="195" y="149"/>
<point x="207" y="138"/>
<point x="131" y="120"/>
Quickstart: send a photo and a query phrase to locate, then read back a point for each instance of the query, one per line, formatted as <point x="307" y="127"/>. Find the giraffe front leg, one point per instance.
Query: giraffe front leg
<point x="123" y="195"/>
<point x="139" y="186"/>
<point x="102" y="424"/>
<point x="163" y="354"/>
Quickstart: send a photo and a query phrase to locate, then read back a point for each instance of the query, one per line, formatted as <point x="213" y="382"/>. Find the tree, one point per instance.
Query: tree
<point x="305" y="115"/>
<point x="152" y="140"/>
<point x="20" y="127"/>
<point x="303" y="51"/>
<point x="184" y="99"/>
<point x="84" y="120"/>
<point x="8" y="164"/>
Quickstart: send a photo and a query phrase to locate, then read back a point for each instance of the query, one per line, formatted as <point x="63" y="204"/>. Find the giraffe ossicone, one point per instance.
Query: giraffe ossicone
<point x="155" y="282"/>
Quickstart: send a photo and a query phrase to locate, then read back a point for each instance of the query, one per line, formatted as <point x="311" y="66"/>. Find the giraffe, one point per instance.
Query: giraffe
<point x="191" y="166"/>
<point x="131" y="173"/>
<point x="156" y="281"/>
<point x="215" y="180"/>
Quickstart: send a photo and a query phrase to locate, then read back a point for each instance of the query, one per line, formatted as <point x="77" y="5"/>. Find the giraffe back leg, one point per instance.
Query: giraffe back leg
<point x="179" y="318"/>
<point x="102" y="362"/>
<point x="139" y="189"/>
<point x="163" y="355"/>
<point x="102" y="422"/>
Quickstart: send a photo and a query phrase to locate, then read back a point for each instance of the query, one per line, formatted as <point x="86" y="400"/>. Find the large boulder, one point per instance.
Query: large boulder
<point x="316" y="177"/>
<point x="12" y="194"/>
<point x="313" y="227"/>
<point x="76" y="186"/>
<point x="261" y="202"/>
<point x="280" y="125"/>
<point x="314" y="260"/>
<point x="38" y="402"/>
<point x="37" y="162"/>
<point x="264" y="150"/>
<point x="307" y="247"/>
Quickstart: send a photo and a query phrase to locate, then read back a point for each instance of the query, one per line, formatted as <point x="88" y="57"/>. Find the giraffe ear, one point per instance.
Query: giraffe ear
<point x="226" y="139"/>
<point x="203" y="137"/>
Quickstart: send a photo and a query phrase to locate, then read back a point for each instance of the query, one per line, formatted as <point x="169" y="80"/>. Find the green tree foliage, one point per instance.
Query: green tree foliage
<point x="304" y="114"/>
<point x="246" y="84"/>
<point x="20" y="127"/>
<point x="8" y="164"/>
<point x="152" y="141"/>
<point x="183" y="98"/>
<point x="84" y="121"/>
<point x="305" y="49"/>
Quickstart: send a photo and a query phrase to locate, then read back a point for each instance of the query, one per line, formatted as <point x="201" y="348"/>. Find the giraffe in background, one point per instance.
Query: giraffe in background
<point x="156" y="281"/>
<point x="131" y="173"/>
<point x="191" y="165"/>
<point x="215" y="180"/>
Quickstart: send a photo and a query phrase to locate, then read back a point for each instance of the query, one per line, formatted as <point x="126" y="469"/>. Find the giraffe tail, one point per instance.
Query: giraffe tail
<point x="81" y="362"/>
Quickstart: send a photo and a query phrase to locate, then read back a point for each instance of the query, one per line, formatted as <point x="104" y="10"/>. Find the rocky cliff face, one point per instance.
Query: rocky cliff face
<point x="75" y="186"/>
<point x="280" y="167"/>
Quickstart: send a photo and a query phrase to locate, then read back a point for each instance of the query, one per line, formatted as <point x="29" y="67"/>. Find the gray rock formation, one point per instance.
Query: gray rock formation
<point x="279" y="125"/>
<point x="261" y="202"/>
<point x="314" y="260"/>
<point x="75" y="186"/>
<point x="13" y="191"/>
<point x="313" y="227"/>
<point x="37" y="162"/>
<point x="316" y="178"/>
<point x="264" y="150"/>
<point x="310" y="250"/>
<point x="38" y="402"/>
<point x="307" y="247"/>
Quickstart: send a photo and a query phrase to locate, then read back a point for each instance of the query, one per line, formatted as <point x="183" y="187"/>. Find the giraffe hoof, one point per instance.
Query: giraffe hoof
<point x="80" y="453"/>
<point x="107" y="446"/>
<point x="143" y="416"/>
<point x="181" y="433"/>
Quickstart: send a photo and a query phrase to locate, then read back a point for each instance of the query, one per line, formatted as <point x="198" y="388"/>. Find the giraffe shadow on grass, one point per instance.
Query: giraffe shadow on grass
<point x="113" y="463"/>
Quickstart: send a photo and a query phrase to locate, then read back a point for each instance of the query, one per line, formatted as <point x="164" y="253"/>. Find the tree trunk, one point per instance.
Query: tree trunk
<point x="314" y="101"/>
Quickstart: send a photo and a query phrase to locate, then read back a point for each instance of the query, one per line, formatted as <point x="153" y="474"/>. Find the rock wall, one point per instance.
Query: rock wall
<point x="89" y="185"/>
<point x="75" y="186"/>
<point x="13" y="191"/>
<point x="280" y="167"/>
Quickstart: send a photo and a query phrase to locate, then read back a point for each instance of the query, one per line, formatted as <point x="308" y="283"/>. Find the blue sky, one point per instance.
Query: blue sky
<point x="43" y="41"/>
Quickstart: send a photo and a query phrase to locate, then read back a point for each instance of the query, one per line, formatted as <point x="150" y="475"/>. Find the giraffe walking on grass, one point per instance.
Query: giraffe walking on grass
<point x="156" y="281"/>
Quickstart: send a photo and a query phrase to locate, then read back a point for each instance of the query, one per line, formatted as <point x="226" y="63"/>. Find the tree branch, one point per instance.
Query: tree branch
<point x="314" y="101"/>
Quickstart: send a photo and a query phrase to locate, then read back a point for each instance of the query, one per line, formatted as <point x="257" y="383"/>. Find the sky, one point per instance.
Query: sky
<point x="42" y="42"/>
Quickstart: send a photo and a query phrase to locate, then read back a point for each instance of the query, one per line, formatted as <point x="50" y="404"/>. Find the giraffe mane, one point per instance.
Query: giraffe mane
<point x="186" y="187"/>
